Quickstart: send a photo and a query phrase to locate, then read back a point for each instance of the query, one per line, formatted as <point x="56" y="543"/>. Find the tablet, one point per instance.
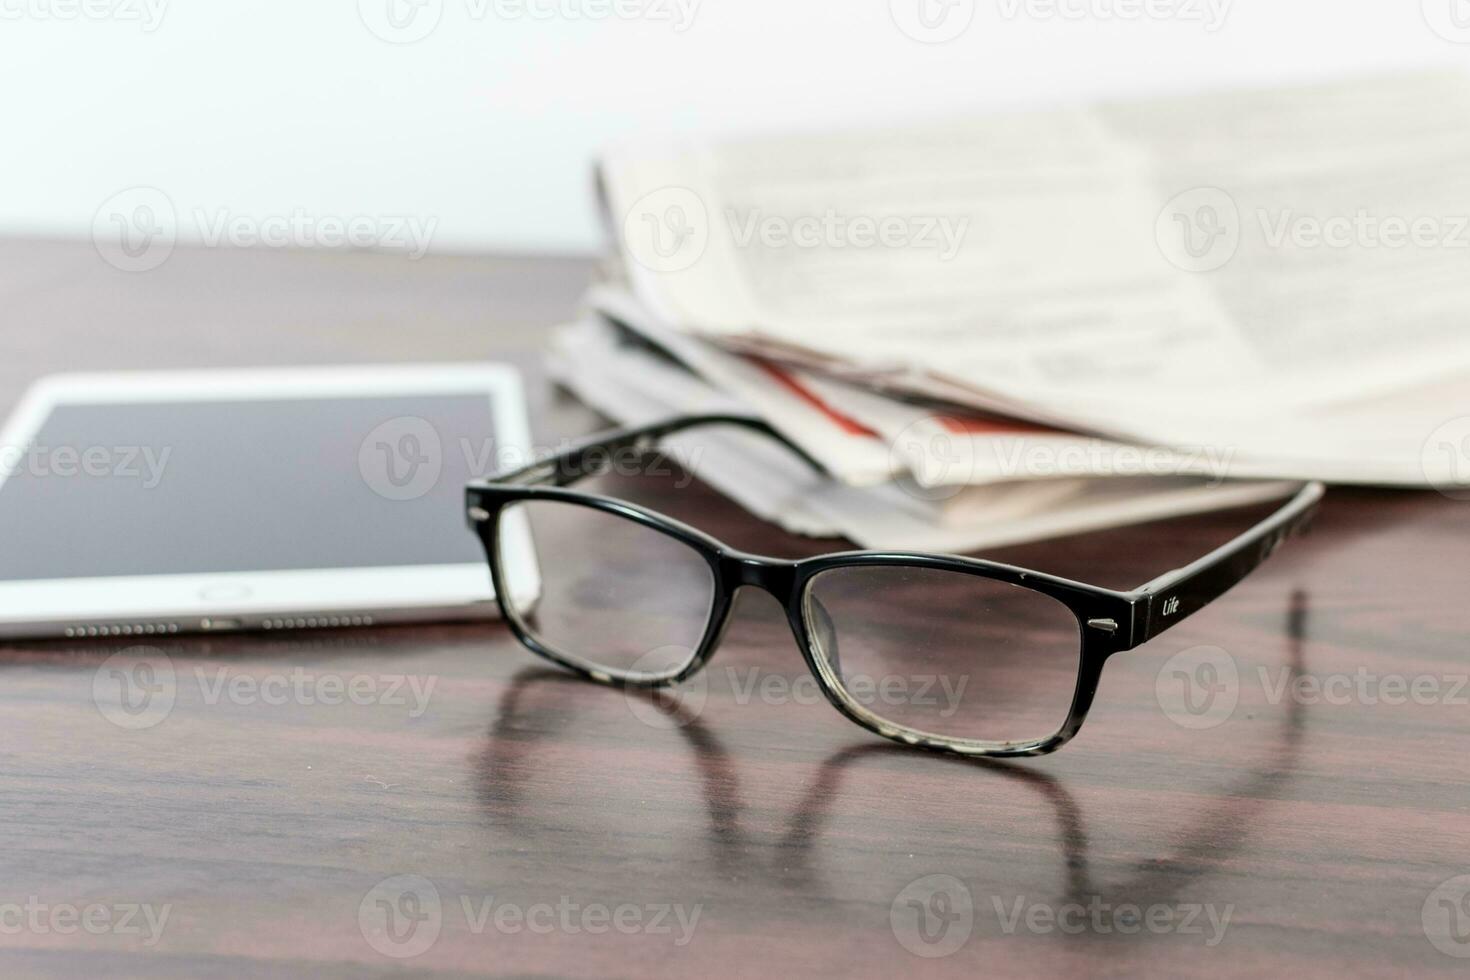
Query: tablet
<point x="141" y="504"/>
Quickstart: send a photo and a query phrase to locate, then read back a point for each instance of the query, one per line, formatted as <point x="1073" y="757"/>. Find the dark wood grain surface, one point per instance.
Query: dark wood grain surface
<point x="553" y="827"/>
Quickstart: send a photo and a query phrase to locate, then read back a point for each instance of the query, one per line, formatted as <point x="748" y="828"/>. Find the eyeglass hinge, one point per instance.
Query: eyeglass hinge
<point x="1106" y="625"/>
<point x="479" y="514"/>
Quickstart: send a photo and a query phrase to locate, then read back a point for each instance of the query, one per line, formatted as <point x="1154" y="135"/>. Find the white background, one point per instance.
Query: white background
<point x="489" y="124"/>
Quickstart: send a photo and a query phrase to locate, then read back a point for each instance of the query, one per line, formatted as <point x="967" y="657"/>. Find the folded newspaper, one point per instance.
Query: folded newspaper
<point x="1019" y="325"/>
<point x="628" y="380"/>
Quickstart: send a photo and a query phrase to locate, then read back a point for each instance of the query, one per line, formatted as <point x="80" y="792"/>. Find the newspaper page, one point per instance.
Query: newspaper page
<point x="1164" y="272"/>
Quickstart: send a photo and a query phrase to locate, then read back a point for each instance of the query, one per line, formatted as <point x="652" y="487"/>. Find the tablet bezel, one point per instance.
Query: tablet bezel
<point x="145" y="605"/>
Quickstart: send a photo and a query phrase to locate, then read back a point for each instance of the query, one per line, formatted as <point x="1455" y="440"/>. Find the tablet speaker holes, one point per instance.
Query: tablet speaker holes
<point x="122" y="629"/>
<point x="163" y="629"/>
<point x="316" y="622"/>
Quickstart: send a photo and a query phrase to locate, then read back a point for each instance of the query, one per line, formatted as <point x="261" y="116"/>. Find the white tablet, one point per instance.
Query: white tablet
<point x="140" y="504"/>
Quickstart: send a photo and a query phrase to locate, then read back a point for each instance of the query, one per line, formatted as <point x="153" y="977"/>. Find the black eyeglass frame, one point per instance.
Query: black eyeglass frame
<point x="1109" y="621"/>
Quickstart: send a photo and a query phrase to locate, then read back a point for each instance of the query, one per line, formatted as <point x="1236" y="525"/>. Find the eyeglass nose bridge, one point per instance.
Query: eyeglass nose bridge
<point x="774" y="575"/>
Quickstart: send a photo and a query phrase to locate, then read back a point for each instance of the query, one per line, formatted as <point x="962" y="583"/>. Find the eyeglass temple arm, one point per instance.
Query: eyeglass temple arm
<point x="1171" y="597"/>
<point x="578" y="461"/>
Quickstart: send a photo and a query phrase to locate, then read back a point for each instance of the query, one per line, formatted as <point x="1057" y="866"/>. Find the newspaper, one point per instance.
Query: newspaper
<point x="632" y="383"/>
<point x="1275" y="275"/>
<point x="1378" y="441"/>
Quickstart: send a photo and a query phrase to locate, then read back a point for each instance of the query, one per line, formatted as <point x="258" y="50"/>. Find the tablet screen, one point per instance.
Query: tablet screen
<point x="162" y="488"/>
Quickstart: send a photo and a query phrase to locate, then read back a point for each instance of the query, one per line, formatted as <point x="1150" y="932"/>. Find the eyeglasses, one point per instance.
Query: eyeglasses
<point x="936" y="651"/>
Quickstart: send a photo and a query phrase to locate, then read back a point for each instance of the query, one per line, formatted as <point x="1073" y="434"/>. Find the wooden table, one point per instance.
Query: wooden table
<point x="550" y="826"/>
